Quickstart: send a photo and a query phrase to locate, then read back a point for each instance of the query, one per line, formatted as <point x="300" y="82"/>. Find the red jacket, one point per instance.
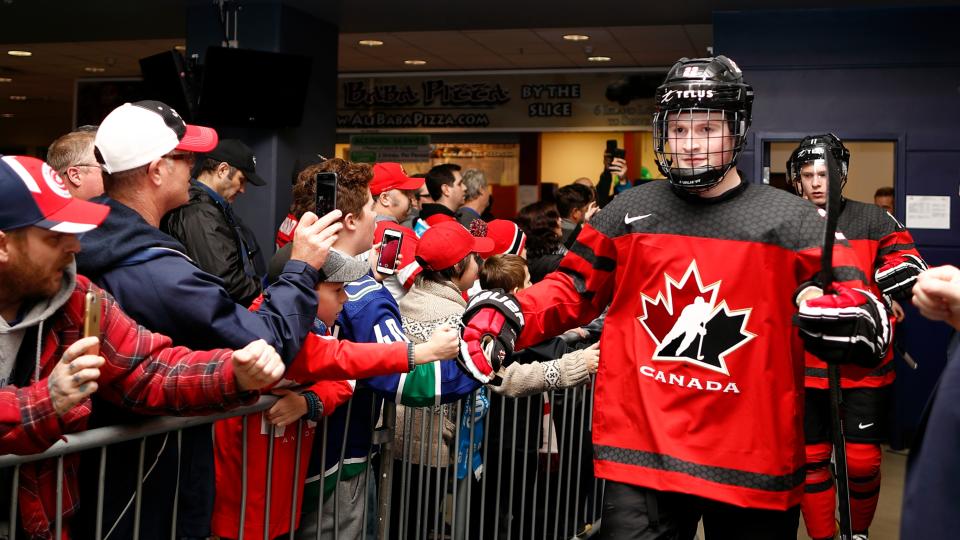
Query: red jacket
<point x="322" y="358"/>
<point x="228" y="435"/>
<point x="700" y="386"/>
<point x="142" y="372"/>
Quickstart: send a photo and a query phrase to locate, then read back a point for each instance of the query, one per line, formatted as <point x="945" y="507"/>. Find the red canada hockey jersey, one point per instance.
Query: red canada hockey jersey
<point x="878" y="238"/>
<point x="700" y="387"/>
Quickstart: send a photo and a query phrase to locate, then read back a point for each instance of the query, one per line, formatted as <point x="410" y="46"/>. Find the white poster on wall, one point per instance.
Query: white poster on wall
<point x="928" y="212"/>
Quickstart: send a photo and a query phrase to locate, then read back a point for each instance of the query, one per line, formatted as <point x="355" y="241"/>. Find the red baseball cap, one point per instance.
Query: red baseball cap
<point x="34" y="194"/>
<point x="387" y="176"/>
<point x="447" y="243"/>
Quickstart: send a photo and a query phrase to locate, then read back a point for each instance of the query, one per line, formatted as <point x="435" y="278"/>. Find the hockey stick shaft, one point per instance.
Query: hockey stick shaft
<point x="833" y="372"/>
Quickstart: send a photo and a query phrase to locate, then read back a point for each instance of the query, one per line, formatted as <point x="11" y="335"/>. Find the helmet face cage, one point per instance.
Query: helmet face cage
<point x="812" y="150"/>
<point x="700" y="125"/>
<point x="696" y="147"/>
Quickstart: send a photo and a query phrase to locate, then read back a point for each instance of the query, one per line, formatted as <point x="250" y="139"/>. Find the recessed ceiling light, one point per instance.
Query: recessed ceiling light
<point x="181" y="48"/>
<point x="18" y="98"/>
<point x="20" y="53"/>
<point x="6" y="79"/>
<point x="598" y="58"/>
<point x="91" y="69"/>
<point x="575" y="37"/>
<point x="414" y="62"/>
<point x="6" y="115"/>
<point x="370" y="42"/>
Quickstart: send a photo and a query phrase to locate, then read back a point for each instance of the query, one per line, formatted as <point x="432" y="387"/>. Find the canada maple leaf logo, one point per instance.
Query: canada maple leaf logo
<point x="689" y="325"/>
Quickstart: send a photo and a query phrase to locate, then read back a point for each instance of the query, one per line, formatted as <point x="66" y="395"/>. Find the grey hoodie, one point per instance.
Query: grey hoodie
<point x="12" y="336"/>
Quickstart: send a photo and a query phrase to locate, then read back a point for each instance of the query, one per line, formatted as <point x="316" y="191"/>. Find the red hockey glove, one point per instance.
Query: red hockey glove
<point x="491" y="324"/>
<point x="847" y="326"/>
<point x="897" y="277"/>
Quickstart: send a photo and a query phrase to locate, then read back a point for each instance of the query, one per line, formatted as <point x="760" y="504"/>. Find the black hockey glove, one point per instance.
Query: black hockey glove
<point x="491" y="324"/>
<point x="847" y="326"/>
<point x="897" y="277"/>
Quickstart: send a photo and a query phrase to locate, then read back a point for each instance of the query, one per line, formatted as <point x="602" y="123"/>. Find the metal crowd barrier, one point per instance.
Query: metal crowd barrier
<point x="533" y="481"/>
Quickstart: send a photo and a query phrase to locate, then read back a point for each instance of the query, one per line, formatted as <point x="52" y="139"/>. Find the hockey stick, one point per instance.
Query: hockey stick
<point x="834" y="187"/>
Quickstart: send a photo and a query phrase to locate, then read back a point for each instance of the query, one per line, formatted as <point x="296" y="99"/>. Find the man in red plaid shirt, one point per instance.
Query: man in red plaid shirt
<point x="48" y="371"/>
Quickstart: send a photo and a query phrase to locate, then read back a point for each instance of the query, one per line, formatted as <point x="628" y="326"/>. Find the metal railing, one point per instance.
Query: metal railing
<point x="530" y="476"/>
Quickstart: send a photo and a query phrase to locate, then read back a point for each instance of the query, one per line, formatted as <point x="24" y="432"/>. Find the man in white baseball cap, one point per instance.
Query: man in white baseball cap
<point x="147" y="152"/>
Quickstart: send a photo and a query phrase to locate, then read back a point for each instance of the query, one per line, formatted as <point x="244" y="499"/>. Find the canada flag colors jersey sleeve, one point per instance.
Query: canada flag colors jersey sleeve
<point x="701" y="373"/>
<point x="880" y="242"/>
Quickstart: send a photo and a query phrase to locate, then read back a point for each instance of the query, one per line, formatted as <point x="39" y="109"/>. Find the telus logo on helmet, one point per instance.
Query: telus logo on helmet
<point x="669" y="95"/>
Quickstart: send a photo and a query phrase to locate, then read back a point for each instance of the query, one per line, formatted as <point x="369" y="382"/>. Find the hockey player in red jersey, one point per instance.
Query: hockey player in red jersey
<point x="702" y="421"/>
<point x="891" y="263"/>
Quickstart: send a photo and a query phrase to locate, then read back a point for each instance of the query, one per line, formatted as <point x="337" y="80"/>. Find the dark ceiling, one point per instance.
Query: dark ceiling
<point x="71" y="37"/>
<point x="35" y="21"/>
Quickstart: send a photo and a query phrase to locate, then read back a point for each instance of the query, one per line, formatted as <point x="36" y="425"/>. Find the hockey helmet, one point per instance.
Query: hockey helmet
<point x="812" y="148"/>
<point x="702" y="85"/>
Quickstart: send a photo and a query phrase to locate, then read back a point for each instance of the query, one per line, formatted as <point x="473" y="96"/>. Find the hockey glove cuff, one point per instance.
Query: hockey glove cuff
<point x="897" y="277"/>
<point x="491" y="324"/>
<point x="847" y="326"/>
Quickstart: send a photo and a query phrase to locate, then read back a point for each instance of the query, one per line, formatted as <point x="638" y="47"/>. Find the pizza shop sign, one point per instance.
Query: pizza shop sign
<point x="488" y="102"/>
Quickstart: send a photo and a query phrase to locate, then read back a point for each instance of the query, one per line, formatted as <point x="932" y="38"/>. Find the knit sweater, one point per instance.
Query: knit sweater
<point x="427" y="306"/>
<point x="520" y="380"/>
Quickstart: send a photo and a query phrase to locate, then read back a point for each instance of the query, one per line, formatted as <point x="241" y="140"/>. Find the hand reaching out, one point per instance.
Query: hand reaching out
<point x="444" y="344"/>
<point x="288" y="409"/>
<point x="257" y="366"/>
<point x="937" y="294"/>
<point x="592" y="358"/>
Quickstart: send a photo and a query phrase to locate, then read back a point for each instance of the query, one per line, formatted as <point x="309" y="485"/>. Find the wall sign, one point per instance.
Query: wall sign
<point x="495" y="102"/>
<point x="373" y="148"/>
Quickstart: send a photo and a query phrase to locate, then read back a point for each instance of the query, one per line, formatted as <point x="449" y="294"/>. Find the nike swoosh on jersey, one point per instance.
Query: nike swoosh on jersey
<point x="864" y="426"/>
<point x="628" y="220"/>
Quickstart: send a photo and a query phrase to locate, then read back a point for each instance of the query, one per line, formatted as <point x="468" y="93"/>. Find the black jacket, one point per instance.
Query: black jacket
<point x="213" y="238"/>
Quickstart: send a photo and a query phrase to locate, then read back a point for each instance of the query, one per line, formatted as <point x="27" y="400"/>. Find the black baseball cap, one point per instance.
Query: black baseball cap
<point x="240" y="156"/>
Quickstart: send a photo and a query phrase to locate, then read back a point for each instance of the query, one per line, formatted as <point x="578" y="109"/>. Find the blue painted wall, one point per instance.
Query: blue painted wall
<point x="886" y="73"/>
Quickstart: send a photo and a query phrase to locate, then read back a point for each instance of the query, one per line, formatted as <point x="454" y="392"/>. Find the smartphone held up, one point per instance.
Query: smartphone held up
<point x="326" y="193"/>
<point x="389" y="251"/>
<point x="91" y="314"/>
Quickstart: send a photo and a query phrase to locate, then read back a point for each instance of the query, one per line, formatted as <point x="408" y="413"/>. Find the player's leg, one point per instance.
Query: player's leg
<point x="636" y="513"/>
<point x="728" y="522"/>
<point x="818" y="504"/>
<point x="866" y="422"/>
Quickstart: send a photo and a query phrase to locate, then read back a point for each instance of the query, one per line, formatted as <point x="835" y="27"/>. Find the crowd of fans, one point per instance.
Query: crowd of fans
<point x="138" y="213"/>
<point x="133" y="220"/>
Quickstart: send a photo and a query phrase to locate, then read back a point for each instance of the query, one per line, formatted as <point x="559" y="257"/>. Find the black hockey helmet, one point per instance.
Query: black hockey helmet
<point x="701" y="85"/>
<point x="812" y="148"/>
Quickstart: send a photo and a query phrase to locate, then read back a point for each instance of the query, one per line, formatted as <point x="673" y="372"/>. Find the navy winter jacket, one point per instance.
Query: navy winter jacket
<point x="161" y="288"/>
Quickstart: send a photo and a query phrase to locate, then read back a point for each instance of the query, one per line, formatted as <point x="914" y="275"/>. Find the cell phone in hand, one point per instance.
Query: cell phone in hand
<point x="326" y="197"/>
<point x="619" y="153"/>
<point x="91" y="315"/>
<point x="389" y="251"/>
